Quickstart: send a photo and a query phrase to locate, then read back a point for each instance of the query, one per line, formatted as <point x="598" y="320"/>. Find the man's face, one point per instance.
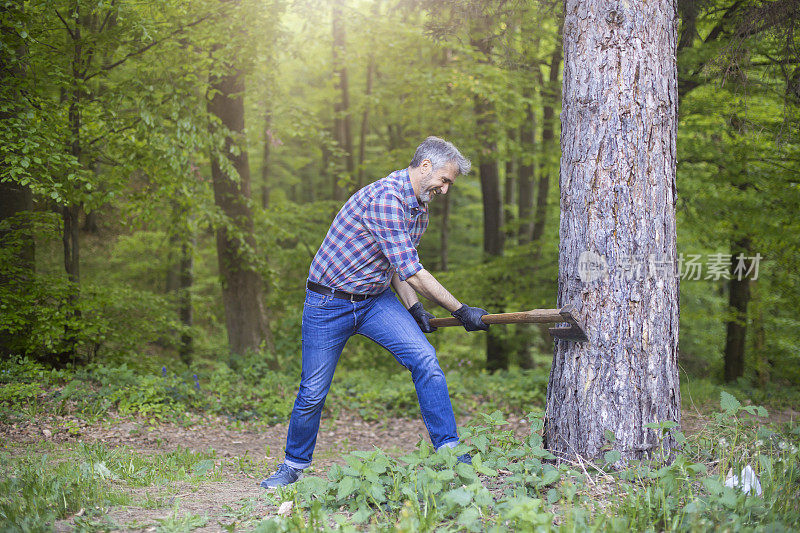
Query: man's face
<point x="435" y="182"/>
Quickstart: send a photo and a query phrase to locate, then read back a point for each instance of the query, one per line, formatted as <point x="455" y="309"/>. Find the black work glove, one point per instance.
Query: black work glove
<point x="470" y="317"/>
<point x="422" y="317"/>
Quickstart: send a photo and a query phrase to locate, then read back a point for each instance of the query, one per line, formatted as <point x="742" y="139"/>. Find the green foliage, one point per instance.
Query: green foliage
<point x="512" y="484"/>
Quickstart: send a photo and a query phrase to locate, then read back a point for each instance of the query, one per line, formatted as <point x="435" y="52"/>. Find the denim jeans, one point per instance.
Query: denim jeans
<point x="327" y="324"/>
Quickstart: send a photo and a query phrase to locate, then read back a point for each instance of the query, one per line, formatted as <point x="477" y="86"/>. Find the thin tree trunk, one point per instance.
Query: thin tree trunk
<point x="444" y="248"/>
<point x="763" y="365"/>
<point x="185" y="311"/>
<point x="618" y="136"/>
<point x="71" y="213"/>
<point x="493" y="238"/>
<point x="266" y="154"/>
<point x="549" y="95"/>
<point x="15" y="199"/>
<point x="527" y="137"/>
<point x="362" y="146"/>
<point x="242" y="287"/>
<point x="510" y="183"/>
<point x="738" y="298"/>
<point x="341" y="109"/>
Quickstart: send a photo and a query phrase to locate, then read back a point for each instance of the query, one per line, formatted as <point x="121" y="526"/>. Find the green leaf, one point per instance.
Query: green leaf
<point x="612" y="456"/>
<point x="728" y="403"/>
<point x="459" y="497"/>
<point x="609" y="435"/>
<point x="376" y="492"/>
<point x="551" y="476"/>
<point x="346" y="487"/>
<point x="470" y="518"/>
<point x="553" y="496"/>
<point x="712" y="485"/>
<point x="361" y="515"/>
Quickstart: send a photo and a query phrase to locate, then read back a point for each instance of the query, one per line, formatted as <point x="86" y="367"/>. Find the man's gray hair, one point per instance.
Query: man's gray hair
<point x="440" y="152"/>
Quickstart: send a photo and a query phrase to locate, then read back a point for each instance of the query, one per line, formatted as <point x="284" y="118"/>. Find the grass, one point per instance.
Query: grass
<point x="48" y="482"/>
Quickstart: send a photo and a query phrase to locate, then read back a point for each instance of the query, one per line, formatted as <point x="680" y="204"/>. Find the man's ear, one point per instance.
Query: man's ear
<point x="426" y="166"/>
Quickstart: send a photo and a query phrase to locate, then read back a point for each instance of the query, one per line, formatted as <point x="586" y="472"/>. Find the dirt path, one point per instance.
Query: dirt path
<point x="235" y="496"/>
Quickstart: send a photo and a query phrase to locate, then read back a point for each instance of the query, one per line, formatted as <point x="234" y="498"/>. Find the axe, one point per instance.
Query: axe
<point x="573" y="331"/>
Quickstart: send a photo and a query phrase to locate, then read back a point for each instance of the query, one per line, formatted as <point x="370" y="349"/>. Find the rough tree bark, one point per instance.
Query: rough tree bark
<point x="618" y="137"/>
<point x="242" y="288"/>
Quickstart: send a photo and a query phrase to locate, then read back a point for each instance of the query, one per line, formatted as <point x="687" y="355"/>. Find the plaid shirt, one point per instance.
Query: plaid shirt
<point x="374" y="235"/>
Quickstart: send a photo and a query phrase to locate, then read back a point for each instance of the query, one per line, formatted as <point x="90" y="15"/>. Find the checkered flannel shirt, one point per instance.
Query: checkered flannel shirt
<point x="374" y="235"/>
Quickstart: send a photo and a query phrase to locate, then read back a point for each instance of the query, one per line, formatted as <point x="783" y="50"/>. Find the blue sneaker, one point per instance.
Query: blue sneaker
<point x="286" y="475"/>
<point x="466" y="459"/>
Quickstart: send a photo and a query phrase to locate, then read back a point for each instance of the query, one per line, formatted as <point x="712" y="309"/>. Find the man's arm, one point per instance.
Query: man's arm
<point x="407" y="295"/>
<point x="425" y="284"/>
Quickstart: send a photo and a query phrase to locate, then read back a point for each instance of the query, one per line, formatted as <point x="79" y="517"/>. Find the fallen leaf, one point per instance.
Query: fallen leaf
<point x="285" y="509"/>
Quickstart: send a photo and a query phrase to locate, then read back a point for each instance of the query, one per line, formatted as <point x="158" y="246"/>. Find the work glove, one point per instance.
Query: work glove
<point x="470" y="317"/>
<point x="422" y="317"/>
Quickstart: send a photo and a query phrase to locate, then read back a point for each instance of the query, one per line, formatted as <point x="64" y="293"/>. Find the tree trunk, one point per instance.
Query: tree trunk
<point x="362" y="147"/>
<point x="510" y="183"/>
<point x="738" y="298"/>
<point x="444" y="248"/>
<point x="15" y="199"/>
<point x="618" y="138"/>
<point x="341" y="109"/>
<point x="549" y="95"/>
<point x="492" y="206"/>
<point x="763" y="365"/>
<point x="266" y="154"/>
<point x="242" y="288"/>
<point x="185" y="301"/>
<point x="70" y="213"/>
<point x="493" y="241"/>
<point x="527" y="137"/>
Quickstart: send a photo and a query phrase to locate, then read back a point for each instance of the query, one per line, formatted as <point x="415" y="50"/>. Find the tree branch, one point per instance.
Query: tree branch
<point x="146" y="48"/>
<point x="69" y="30"/>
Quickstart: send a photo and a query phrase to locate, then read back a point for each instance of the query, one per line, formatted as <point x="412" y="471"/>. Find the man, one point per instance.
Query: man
<point x="370" y="245"/>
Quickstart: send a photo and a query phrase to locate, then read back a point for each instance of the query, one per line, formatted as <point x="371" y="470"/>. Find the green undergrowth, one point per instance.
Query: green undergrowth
<point x="249" y="393"/>
<point x="253" y="394"/>
<point x="515" y="485"/>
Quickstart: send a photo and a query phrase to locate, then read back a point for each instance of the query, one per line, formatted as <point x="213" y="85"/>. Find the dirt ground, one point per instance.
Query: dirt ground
<point x="236" y="497"/>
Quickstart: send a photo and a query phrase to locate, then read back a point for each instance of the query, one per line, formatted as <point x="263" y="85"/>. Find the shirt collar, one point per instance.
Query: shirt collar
<point x="408" y="193"/>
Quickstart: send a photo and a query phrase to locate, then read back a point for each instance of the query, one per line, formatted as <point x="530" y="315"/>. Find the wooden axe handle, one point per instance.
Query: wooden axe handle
<point x="521" y="317"/>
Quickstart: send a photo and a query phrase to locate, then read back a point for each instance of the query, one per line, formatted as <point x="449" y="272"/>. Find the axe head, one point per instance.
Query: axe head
<point x="574" y="330"/>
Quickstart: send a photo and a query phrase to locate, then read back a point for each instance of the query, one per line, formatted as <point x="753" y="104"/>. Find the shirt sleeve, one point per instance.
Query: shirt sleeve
<point x="385" y="220"/>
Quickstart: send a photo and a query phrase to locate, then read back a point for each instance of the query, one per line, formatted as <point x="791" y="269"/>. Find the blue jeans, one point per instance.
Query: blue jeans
<point x="327" y="324"/>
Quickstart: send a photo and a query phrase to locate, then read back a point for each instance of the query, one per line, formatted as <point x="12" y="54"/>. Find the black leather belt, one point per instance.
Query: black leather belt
<point x="336" y="293"/>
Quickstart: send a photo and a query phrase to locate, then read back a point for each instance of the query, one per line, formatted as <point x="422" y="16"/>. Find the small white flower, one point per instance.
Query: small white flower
<point x="759" y="443"/>
<point x="723" y="443"/>
<point x="783" y="445"/>
<point x="793" y="449"/>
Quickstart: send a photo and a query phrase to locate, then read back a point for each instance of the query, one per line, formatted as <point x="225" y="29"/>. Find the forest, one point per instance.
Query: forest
<point x="169" y="169"/>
